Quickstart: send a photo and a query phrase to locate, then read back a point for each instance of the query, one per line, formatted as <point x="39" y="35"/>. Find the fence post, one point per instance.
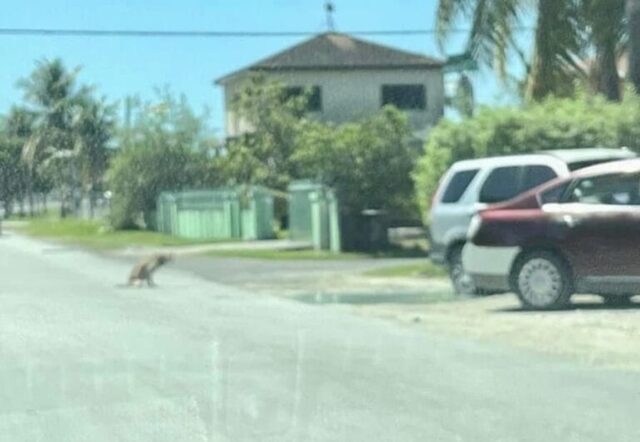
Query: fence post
<point x="334" y="222"/>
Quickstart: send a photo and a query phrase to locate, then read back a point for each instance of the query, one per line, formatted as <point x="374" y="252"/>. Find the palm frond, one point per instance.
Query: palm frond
<point x="446" y="15"/>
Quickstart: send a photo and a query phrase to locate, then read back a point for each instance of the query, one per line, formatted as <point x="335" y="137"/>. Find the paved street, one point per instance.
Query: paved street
<point x="194" y="360"/>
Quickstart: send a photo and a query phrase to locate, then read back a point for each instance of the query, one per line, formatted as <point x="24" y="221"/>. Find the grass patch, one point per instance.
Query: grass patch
<point x="95" y="235"/>
<point x="422" y="270"/>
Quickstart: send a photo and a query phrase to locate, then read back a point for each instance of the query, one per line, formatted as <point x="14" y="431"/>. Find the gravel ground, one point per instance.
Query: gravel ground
<point x="589" y="331"/>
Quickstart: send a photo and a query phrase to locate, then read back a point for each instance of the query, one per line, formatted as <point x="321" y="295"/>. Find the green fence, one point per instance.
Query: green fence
<point x="313" y="215"/>
<point x="243" y="212"/>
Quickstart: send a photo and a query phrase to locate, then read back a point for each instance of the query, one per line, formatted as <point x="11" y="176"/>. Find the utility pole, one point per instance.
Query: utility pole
<point x="330" y="9"/>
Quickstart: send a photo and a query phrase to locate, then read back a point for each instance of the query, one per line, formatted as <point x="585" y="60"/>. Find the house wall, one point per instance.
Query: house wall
<point x="351" y="94"/>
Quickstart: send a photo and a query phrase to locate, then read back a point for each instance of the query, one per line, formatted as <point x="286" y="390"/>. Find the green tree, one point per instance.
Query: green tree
<point x="17" y="128"/>
<point x="168" y="150"/>
<point x="263" y="155"/>
<point x="93" y="125"/>
<point x="139" y="173"/>
<point x="369" y="163"/>
<point x="50" y="93"/>
<point x="12" y="173"/>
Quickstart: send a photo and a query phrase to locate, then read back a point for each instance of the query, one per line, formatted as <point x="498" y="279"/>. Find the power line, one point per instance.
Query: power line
<point x="51" y="32"/>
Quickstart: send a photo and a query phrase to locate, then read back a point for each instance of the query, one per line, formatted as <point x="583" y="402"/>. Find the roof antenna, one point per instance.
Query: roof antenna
<point x="330" y="9"/>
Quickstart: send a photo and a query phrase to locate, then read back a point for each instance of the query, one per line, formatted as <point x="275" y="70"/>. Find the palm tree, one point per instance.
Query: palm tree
<point x="93" y="125"/>
<point x="49" y="91"/>
<point x="557" y="49"/>
<point x="564" y="32"/>
<point x="604" y="19"/>
<point x="19" y="127"/>
<point x="633" y="26"/>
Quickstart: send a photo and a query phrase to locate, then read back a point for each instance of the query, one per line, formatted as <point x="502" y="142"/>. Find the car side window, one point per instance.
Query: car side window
<point x="458" y="185"/>
<point x="554" y="195"/>
<point x="536" y="175"/>
<point x="614" y="189"/>
<point x="501" y="184"/>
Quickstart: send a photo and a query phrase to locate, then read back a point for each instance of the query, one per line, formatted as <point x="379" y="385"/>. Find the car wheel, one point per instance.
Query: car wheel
<point x="461" y="280"/>
<point x="617" y="300"/>
<point x="542" y="281"/>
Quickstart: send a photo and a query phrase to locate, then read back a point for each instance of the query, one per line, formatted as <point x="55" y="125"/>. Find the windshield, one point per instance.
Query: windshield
<point x="303" y="220"/>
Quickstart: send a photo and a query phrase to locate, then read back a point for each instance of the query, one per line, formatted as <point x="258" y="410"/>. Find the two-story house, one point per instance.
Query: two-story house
<point x="349" y="78"/>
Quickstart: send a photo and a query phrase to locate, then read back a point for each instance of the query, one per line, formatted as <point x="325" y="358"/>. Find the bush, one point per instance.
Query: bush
<point x="167" y="148"/>
<point x="556" y="123"/>
<point x="140" y="173"/>
<point x="368" y="163"/>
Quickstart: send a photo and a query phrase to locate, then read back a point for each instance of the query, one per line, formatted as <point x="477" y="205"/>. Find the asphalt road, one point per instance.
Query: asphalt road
<point x="84" y="360"/>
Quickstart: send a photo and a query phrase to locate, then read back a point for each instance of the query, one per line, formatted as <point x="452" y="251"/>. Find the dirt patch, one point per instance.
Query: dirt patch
<point x="590" y="331"/>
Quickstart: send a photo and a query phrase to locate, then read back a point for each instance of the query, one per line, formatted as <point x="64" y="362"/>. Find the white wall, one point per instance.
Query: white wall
<point x="352" y="94"/>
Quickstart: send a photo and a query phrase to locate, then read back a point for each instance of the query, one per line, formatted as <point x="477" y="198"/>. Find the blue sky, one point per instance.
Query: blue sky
<point x="124" y="66"/>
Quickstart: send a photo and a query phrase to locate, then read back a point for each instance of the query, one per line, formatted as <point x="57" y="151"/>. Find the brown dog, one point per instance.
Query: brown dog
<point x="143" y="271"/>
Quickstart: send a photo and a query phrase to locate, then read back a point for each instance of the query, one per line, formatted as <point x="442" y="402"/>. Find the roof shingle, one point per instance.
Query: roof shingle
<point x="340" y="51"/>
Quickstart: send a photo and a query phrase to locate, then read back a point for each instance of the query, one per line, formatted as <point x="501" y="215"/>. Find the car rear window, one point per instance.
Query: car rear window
<point x="501" y="184"/>
<point x="583" y="164"/>
<point x="458" y="185"/>
<point x="536" y="175"/>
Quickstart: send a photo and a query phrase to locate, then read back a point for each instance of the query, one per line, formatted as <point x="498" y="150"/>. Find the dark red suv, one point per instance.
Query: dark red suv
<point x="579" y="234"/>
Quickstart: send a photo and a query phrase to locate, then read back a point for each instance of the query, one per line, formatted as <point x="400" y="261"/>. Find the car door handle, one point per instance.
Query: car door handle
<point x="569" y="220"/>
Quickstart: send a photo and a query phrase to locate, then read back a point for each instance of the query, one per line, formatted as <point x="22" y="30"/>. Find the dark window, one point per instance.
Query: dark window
<point x="617" y="189"/>
<point x="554" y="194"/>
<point x="582" y="164"/>
<point x="503" y="183"/>
<point x="314" y="96"/>
<point x="404" y="96"/>
<point x="458" y="185"/>
<point x="536" y="175"/>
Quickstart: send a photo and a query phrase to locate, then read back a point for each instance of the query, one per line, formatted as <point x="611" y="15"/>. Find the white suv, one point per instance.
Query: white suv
<point x="471" y="185"/>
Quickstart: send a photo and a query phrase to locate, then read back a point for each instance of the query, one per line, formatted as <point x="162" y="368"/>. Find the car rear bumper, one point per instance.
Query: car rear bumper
<point x="489" y="266"/>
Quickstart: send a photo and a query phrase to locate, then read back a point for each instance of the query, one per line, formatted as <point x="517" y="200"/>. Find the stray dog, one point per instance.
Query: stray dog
<point x="144" y="270"/>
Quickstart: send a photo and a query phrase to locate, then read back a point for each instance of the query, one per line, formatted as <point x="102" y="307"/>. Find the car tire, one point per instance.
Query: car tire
<point x="617" y="300"/>
<point x="460" y="279"/>
<point x="542" y="280"/>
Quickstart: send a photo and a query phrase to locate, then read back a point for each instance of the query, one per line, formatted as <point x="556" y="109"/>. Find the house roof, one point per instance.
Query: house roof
<point x="337" y="51"/>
